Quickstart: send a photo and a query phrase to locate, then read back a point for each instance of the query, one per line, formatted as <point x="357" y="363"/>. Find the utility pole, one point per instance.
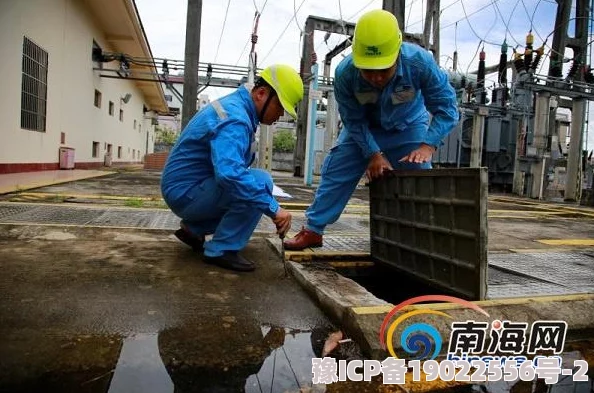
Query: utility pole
<point x="431" y="41"/>
<point x="478" y="123"/>
<point x="397" y="8"/>
<point x="192" y="54"/>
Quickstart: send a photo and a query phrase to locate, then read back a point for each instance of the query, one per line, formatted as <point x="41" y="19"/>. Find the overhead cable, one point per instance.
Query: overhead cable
<point x="466" y="16"/>
<point x="470" y="24"/>
<point x="281" y="34"/>
<point x="362" y="9"/>
<point x="222" y="31"/>
<point x="506" y="24"/>
<point x="250" y="39"/>
<point x="443" y="9"/>
<point x="409" y="12"/>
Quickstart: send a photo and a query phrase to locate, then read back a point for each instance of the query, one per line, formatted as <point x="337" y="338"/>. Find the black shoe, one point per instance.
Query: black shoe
<point x="231" y="260"/>
<point x="195" y="242"/>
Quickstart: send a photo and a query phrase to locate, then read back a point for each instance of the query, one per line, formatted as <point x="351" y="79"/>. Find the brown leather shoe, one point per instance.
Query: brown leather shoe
<point x="304" y="239"/>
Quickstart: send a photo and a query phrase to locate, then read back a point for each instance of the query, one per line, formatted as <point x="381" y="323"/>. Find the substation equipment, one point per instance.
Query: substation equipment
<point x="518" y="134"/>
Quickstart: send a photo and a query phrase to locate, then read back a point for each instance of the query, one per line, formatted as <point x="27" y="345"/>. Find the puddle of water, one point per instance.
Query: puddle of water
<point x="565" y="384"/>
<point x="140" y="368"/>
<point x="288" y="367"/>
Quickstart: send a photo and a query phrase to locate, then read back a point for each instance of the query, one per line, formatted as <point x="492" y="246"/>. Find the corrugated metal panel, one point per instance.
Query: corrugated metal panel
<point x="433" y="224"/>
<point x="447" y="153"/>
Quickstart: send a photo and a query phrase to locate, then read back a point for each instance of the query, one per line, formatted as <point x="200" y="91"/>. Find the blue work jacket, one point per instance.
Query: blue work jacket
<point x="219" y="142"/>
<point x="419" y="87"/>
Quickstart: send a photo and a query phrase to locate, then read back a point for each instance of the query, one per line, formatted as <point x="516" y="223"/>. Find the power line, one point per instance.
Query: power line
<point x="281" y="34"/>
<point x="258" y="13"/>
<point x="256" y="7"/>
<point x="362" y="8"/>
<point x="342" y="21"/>
<point x="506" y="25"/>
<point x="409" y="12"/>
<point x="475" y="53"/>
<point x="222" y="31"/>
<point x="532" y="18"/>
<point x="470" y="24"/>
<point x="443" y="9"/>
<point x="494" y="22"/>
<point x="466" y="16"/>
<point x="512" y="13"/>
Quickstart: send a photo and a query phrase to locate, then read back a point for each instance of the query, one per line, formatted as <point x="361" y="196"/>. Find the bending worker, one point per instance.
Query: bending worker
<point x="207" y="180"/>
<point x="385" y="91"/>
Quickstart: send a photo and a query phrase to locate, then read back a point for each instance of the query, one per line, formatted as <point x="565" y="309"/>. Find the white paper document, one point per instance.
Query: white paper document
<point x="279" y="192"/>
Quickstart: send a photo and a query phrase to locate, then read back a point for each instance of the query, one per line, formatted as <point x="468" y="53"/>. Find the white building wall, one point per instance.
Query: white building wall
<point x="66" y="31"/>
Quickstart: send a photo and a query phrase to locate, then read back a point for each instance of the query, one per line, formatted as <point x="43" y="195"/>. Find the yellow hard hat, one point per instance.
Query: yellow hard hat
<point x="287" y="84"/>
<point x="377" y="40"/>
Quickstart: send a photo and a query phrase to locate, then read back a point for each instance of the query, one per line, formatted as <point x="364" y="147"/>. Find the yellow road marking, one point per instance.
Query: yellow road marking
<point x="351" y="264"/>
<point x="367" y="310"/>
<point x="567" y="242"/>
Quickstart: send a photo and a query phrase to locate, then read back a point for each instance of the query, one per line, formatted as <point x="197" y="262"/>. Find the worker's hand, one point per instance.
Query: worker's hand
<point x="422" y="154"/>
<point x="282" y="220"/>
<point x="377" y="165"/>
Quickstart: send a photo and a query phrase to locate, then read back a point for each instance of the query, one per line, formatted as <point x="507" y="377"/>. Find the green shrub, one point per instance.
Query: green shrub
<point x="283" y="141"/>
<point x="165" y="135"/>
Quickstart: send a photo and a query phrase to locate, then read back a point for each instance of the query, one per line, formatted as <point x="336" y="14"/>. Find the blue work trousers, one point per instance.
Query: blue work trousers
<point x="345" y="165"/>
<point x="207" y="209"/>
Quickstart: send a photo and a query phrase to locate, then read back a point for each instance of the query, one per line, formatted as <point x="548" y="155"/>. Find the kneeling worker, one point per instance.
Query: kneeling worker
<point x="207" y="180"/>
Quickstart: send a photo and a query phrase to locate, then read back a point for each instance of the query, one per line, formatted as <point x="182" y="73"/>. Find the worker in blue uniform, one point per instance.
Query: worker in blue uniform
<point x="207" y="180"/>
<point x="386" y="91"/>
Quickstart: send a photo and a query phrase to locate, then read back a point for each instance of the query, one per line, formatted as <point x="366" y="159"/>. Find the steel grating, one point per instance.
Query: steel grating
<point x="571" y="270"/>
<point x="346" y="244"/>
<point x="506" y="284"/>
<point x="500" y="277"/>
<point x="123" y="218"/>
<point x="526" y="290"/>
<point x="164" y="220"/>
<point x="9" y="210"/>
<point x="80" y="215"/>
<point x="55" y="215"/>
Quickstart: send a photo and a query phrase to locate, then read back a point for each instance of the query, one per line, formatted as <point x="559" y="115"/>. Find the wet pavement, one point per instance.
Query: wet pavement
<point x="126" y="308"/>
<point x="77" y="304"/>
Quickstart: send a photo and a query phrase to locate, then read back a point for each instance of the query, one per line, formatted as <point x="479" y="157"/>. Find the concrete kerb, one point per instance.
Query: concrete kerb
<point x="360" y="314"/>
<point x="576" y="310"/>
<point x="33" y="184"/>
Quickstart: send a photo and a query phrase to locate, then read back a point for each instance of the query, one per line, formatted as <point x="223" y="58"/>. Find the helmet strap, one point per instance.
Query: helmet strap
<point x="267" y="102"/>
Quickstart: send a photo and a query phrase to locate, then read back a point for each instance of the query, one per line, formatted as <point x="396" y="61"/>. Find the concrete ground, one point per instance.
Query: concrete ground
<point x="84" y="295"/>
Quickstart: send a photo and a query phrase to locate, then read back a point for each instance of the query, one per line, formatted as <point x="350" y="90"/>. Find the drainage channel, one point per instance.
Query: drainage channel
<point x="509" y="274"/>
<point x="360" y="294"/>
